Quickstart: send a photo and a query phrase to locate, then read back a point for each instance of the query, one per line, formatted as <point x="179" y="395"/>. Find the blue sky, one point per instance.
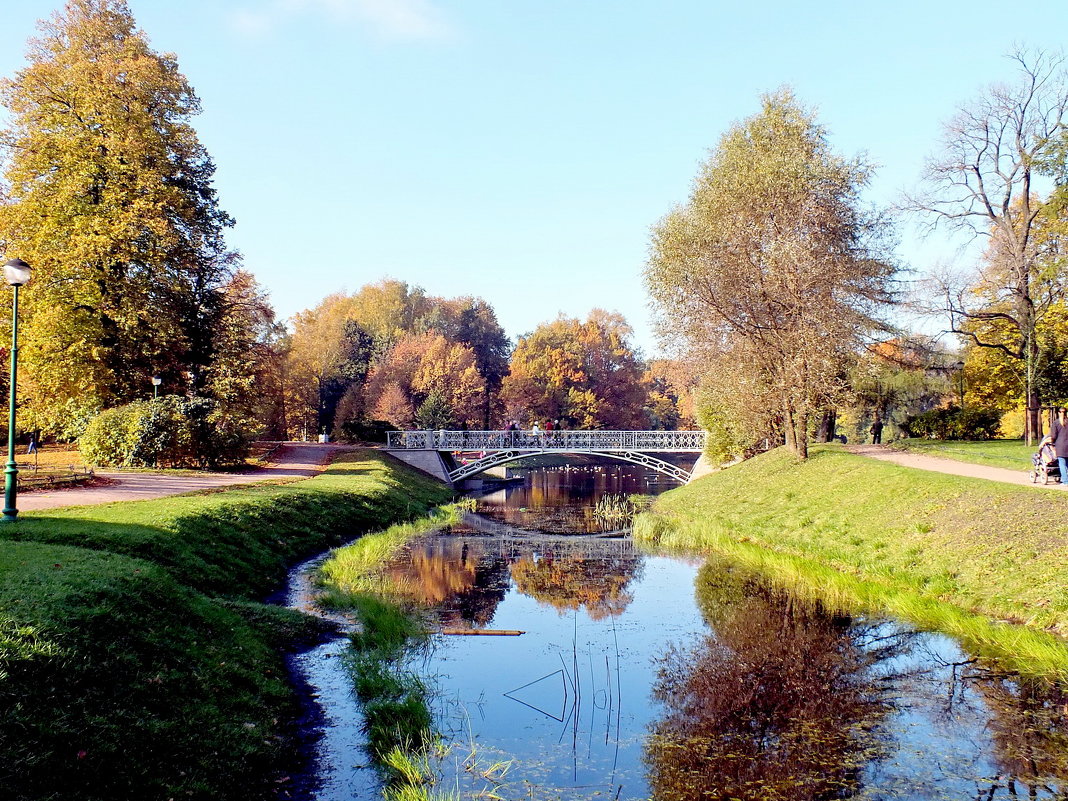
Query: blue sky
<point x="521" y="150"/>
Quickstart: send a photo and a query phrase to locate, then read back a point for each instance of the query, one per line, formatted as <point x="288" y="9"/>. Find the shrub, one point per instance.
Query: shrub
<point x="364" y="430"/>
<point x="1012" y="425"/>
<point x="955" y="423"/>
<point x="171" y="431"/>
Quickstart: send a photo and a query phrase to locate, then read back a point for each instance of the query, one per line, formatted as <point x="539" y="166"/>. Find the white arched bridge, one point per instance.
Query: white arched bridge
<point x="478" y="451"/>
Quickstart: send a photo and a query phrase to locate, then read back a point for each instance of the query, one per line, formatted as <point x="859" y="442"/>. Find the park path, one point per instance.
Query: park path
<point x="951" y="466"/>
<point x="292" y="460"/>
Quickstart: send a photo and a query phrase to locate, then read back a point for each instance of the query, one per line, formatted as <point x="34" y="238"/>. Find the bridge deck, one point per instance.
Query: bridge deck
<point x="562" y="441"/>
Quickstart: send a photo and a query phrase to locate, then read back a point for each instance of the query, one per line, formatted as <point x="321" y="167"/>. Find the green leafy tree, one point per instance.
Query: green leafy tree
<point x="774" y="263"/>
<point x="110" y="198"/>
<point x="434" y="412"/>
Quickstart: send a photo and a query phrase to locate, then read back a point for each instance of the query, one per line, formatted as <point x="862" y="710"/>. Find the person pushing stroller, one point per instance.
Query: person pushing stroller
<point x="1057" y="439"/>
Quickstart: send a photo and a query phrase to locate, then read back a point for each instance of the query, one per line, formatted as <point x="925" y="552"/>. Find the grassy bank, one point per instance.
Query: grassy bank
<point x="1012" y="454"/>
<point x="399" y="728"/>
<point x="135" y="659"/>
<point x="944" y="552"/>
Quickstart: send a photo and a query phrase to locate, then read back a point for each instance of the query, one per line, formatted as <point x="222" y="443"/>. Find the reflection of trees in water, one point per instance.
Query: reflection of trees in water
<point x="568" y="581"/>
<point x="465" y="579"/>
<point x="785" y="702"/>
<point x="1029" y="728"/>
<point x="454" y="576"/>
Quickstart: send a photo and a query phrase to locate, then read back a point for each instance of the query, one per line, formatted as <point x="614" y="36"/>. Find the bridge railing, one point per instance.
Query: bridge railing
<point x="573" y="441"/>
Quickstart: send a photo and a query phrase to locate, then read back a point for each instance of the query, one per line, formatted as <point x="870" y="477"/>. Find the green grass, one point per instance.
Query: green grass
<point x="955" y="554"/>
<point x="135" y="658"/>
<point x="1012" y="454"/>
<point x="238" y="542"/>
<point x="397" y="719"/>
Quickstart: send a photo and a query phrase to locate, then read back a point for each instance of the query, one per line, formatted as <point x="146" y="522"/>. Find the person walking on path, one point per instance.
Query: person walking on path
<point x="1058" y="437"/>
<point x="877" y="432"/>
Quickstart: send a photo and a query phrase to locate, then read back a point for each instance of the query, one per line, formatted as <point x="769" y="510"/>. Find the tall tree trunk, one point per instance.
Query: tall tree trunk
<point x="1032" y="415"/>
<point x="827" y="426"/>
<point x="794" y="428"/>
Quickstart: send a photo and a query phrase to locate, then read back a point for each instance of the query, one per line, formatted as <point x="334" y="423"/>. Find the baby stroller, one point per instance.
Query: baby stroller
<point x="1045" y="466"/>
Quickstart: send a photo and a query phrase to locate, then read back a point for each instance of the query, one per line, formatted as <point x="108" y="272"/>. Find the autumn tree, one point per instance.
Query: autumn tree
<point x="425" y="378"/>
<point x="670" y="394"/>
<point x="584" y="373"/>
<point x="109" y="196"/>
<point x="772" y="270"/>
<point x="985" y="183"/>
<point x="336" y="346"/>
<point x="244" y="372"/>
<point x="329" y="351"/>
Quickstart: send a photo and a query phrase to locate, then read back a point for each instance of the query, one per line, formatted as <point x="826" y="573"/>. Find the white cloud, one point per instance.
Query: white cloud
<point x="403" y="20"/>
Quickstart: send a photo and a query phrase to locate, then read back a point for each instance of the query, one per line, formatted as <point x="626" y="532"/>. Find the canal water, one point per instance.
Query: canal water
<point x="645" y="676"/>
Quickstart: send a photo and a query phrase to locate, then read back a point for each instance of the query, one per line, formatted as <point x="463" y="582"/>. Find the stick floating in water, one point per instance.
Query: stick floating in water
<point x="482" y="632"/>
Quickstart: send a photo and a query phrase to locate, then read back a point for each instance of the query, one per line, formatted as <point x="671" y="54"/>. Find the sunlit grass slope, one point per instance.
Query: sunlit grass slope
<point x="135" y="658"/>
<point x="237" y="542"/>
<point x="933" y="548"/>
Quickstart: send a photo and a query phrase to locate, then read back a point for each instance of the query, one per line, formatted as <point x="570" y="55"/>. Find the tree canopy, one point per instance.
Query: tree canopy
<point x="772" y="270"/>
<point x="586" y="374"/>
<point x="109" y="197"/>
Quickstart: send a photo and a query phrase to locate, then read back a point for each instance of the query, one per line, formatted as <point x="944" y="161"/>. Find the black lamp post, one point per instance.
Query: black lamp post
<point x="156" y="381"/>
<point x="960" y="370"/>
<point x="16" y="273"/>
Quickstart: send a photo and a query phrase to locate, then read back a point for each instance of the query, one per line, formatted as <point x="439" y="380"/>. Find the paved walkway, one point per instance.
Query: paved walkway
<point x="292" y="460"/>
<point x="951" y="466"/>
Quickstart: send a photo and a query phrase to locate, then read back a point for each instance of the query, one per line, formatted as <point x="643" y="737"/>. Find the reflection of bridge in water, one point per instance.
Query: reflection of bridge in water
<point x="506" y="539"/>
<point x="489" y="449"/>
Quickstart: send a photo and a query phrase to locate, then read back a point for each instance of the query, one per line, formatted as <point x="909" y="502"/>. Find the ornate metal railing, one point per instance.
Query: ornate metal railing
<point x="569" y="441"/>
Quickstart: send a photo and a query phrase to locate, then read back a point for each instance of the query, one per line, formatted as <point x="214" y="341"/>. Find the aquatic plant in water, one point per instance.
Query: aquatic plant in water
<point x="618" y="509"/>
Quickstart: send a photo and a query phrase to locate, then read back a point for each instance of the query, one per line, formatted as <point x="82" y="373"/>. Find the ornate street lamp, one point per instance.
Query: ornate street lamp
<point x="16" y="273"/>
<point x="156" y="381"/>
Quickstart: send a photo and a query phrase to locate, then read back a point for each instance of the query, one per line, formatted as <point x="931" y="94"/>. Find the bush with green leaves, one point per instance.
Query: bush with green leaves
<point x="364" y="430"/>
<point x="953" y="422"/>
<point x="434" y="412"/>
<point x="171" y="431"/>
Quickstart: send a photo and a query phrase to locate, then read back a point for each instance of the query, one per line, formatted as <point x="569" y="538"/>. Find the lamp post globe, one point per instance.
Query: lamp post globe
<point x="16" y="273"/>
<point x="156" y="381"/>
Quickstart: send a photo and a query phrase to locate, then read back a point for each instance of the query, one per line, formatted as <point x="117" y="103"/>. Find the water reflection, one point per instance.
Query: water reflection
<point x="560" y="499"/>
<point x="463" y="575"/>
<point x="457" y="577"/>
<point x="785" y="700"/>
<point x="570" y="581"/>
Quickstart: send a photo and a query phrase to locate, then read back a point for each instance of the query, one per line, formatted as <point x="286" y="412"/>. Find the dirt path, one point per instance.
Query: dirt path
<point x="292" y="460"/>
<point x="951" y="466"/>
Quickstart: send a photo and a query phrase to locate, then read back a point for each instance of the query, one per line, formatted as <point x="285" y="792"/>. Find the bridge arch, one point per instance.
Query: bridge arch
<point x="680" y="474"/>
